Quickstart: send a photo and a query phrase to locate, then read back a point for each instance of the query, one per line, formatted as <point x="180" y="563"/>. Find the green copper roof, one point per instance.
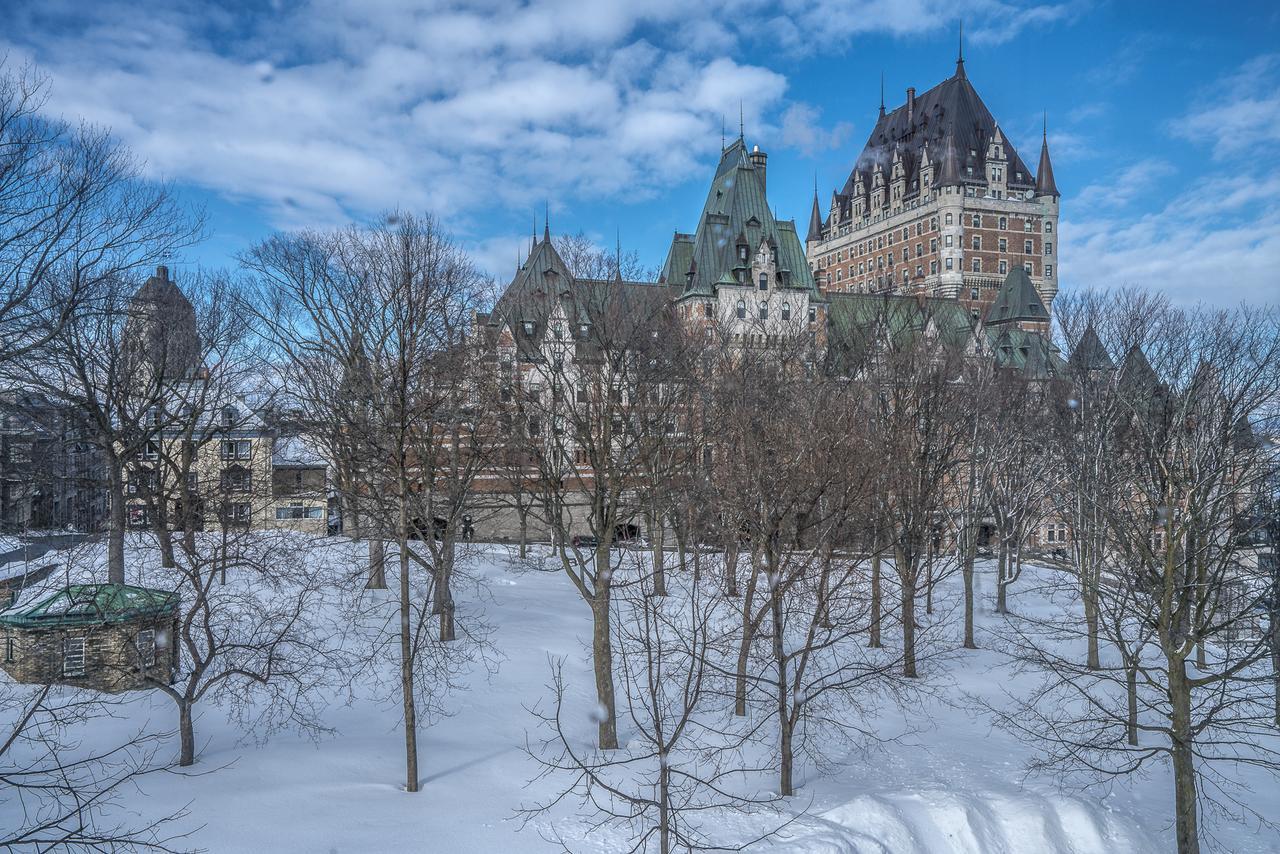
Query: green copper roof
<point x="85" y="604"/>
<point x="1018" y="300"/>
<point x="736" y="211"/>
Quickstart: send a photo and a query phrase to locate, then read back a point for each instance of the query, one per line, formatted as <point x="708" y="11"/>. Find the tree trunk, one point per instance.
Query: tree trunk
<point x="186" y="730"/>
<point x="786" y="756"/>
<point x="731" y="570"/>
<point x="1094" y="660"/>
<point x="659" y="556"/>
<point x="908" y="618"/>
<point x="877" y="604"/>
<point x="444" y="586"/>
<point x="116" y="524"/>
<point x="1184" y="776"/>
<point x="602" y="655"/>
<point x="928" y="579"/>
<point x="406" y="659"/>
<point x="377" y="566"/>
<point x="664" y="805"/>
<point x="1131" y="684"/>
<point x="966" y="572"/>
<point x="524" y="534"/>
<point x="744" y="648"/>
<point x="1002" y="575"/>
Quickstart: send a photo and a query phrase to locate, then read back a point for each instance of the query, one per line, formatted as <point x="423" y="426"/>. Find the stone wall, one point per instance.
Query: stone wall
<point x="111" y="659"/>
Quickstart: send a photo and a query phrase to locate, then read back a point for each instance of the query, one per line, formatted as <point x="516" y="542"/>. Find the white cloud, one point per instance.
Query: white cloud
<point x="1240" y="114"/>
<point x="802" y="130"/>
<point x="1218" y="242"/>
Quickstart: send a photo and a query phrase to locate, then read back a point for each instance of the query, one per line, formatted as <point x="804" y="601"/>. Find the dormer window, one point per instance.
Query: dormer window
<point x="742" y="252"/>
<point x="528" y="327"/>
<point x="764" y="281"/>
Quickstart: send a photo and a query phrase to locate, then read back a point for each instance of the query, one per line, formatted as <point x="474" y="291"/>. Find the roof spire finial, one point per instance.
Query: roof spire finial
<point x="546" y="220"/>
<point x="617" y="249"/>
<point x="742" y="133"/>
<point x="722" y="133"/>
<point x="882" y="94"/>
<point x="1044" y="126"/>
<point x="960" y="52"/>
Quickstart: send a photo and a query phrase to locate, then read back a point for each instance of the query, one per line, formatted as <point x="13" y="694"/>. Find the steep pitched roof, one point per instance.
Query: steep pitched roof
<point x="1089" y="354"/>
<point x="950" y="114"/>
<point x="858" y="321"/>
<point x="1017" y="300"/>
<point x="815" y="220"/>
<point x="1045" y="185"/>
<point x="736" y="210"/>
<point x="1029" y="352"/>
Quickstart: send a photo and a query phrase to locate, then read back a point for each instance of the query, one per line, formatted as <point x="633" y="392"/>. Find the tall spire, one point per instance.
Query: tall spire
<point x="960" y="53"/>
<point x="722" y="133"/>
<point x="546" y="220"/>
<point x="882" y="94"/>
<point x="742" y="125"/>
<point x="1045" y="185"/>
<point x="815" y="216"/>
<point x="617" y="249"/>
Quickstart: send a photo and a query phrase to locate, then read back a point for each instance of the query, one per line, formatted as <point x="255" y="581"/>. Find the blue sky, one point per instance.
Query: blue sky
<point x="1164" y="118"/>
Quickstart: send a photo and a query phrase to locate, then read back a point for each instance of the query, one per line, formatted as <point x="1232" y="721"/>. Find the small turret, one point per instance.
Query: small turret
<point x="1045" y="185"/>
<point x="815" y="219"/>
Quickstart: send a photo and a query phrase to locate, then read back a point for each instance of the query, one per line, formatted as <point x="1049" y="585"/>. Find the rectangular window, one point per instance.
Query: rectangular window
<point x="977" y="265"/>
<point x="73" y="656"/>
<point x="1027" y="250"/>
<point x="1048" y="248"/>
<point x="8" y="649"/>
<point x="241" y="512"/>
<point x="977" y="242"/>
<point x="147" y="647"/>
<point x="236" y="449"/>
<point x="977" y="220"/>
<point x="948" y="239"/>
<point x="1004" y="222"/>
<point x="973" y="293"/>
<point x="1048" y="269"/>
<point x="1004" y="266"/>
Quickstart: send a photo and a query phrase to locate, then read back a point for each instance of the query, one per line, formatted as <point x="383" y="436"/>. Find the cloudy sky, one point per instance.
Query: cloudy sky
<point x="1164" y="118"/>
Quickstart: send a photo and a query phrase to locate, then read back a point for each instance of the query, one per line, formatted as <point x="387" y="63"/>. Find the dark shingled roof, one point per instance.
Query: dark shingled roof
<point x="1018" y="300"/>
<point x="948" y="125"/>
<point x="1045" y="185"/>
<point x="736" y="210"/>
<point x="1089" y="354"/>
<point x="544" y="281"/>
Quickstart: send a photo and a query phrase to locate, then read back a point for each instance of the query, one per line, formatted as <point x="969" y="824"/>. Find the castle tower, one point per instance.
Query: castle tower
<point x="940" y="203"/>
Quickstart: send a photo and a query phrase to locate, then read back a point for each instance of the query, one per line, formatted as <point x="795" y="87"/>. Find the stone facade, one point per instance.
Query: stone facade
<point x="110" y="657"/>
<point x="939" y="203"/>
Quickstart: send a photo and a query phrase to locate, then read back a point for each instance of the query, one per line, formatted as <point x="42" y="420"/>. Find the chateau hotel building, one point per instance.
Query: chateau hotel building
<point x="938" y="203"/>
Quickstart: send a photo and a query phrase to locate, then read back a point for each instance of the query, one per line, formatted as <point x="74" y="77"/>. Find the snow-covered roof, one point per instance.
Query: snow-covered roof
<point x="296" y="452"/>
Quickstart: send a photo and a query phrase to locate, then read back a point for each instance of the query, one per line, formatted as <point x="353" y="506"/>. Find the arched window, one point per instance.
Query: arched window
<point x="786" y="311"/>
<point x="764" y="310"/>
<point x="764" y="281"/>
<point x="742" y="310"/>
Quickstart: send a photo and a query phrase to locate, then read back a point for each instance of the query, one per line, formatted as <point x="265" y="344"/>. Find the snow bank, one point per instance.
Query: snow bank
<point x="930" y="821"/>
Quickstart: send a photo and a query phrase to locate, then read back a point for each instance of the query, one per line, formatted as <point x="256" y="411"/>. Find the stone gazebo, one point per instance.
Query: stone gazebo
<point x="109" y="637"/>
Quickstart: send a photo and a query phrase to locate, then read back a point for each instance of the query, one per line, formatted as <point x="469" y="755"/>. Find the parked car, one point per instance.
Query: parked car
<point x="585" y="541"/>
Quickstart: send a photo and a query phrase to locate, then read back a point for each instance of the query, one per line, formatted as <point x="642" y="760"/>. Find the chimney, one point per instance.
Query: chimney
<point x="759" y="160"/>
<point x="911" y="104"/>
<point x="162" y="273"/>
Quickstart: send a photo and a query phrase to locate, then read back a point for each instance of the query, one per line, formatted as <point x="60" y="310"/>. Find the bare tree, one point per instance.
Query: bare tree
<point x="384" y="311"/>
<point x="63" y="796"/>
<point x="1179" y="588"/>
<point x="75" y="213"/>
<point x="685" y="763"/>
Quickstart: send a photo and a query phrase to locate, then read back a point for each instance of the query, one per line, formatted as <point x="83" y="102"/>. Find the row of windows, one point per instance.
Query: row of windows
<point x="879" y="242"/>
<point x="73" y="652"/>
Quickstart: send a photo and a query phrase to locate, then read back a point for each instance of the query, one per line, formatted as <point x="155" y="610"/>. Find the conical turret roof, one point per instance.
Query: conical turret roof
<point x="1018" y="300"/>
<point x="1089" y="354"/>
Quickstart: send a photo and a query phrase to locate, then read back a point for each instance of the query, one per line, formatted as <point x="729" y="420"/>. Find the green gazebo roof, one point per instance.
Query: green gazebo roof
<point x="85" y="604"/>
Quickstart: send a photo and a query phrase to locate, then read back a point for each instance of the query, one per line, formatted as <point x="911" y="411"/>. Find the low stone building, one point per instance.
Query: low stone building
<point x="108" y="637"/>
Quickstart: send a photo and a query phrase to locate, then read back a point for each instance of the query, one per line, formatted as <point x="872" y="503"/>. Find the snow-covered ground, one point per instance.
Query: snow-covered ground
<point x="952" y="785"/>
